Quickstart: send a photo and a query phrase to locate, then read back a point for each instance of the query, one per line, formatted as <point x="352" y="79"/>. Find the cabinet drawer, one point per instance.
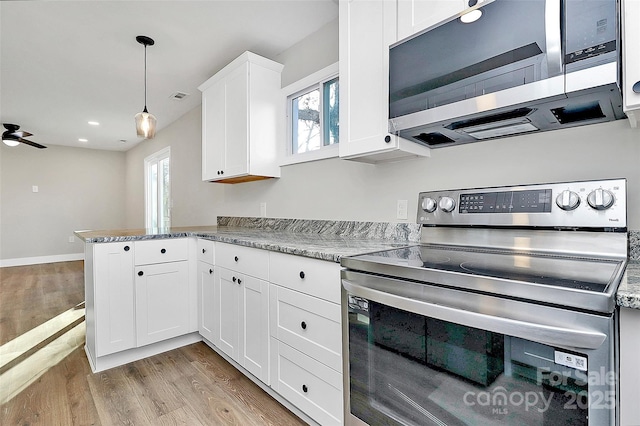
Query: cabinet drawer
<point x="318" y="278"/>
<point x="246" y="260"/>
<point x="206" y="251"/>
<point x="308" y="324"/>
<point x="161" y="251"/>
<point x="309" y="385"/>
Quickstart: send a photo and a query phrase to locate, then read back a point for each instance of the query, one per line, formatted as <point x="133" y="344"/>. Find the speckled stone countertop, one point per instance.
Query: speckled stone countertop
<point x="328" y="240"/>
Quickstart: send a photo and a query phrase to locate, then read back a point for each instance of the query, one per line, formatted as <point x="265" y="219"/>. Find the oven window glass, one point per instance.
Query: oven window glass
<point x="406" y="369"/>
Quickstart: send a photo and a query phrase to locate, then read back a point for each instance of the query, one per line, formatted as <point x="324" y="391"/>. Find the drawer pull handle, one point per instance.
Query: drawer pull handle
<point x="235" y="258"/>
<point x="211" y="271"/>
<point x="234" y="279"/>
<point x="140" y="273"/>
<point x="163" y="251"/>
<point x="126" y="248"/>
<point x="302" y="274"/>
<point x="305" y="388"/>
<point x="303" y="325"/>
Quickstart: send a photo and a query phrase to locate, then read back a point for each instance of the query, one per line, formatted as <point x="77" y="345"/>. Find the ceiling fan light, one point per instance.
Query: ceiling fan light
<point x="145" y="124"/>
<point x="10" y="142"/>
<point x="472" y="16"/>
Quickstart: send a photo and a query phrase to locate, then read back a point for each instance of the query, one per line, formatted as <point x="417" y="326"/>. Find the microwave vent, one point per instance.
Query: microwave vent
<point x="580" y="112"/>
<point x="432" y="139"/>
<point x="489" y="119"/>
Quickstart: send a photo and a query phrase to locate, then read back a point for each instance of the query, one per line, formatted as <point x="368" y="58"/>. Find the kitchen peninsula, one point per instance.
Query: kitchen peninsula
<point x="245" y="287"/>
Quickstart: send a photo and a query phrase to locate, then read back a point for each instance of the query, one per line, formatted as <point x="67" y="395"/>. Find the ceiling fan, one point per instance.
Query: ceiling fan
<point x="12" y="136"/>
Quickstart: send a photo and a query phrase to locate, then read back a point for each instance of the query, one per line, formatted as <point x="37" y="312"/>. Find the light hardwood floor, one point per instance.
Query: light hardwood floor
<point x="191" y="385"/>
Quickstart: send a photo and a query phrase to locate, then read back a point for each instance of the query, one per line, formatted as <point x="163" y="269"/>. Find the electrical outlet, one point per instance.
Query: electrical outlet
<point x="34" y="188"/>
<point x="402" y="212"/>
<point x="72" y="239"/>
<point x="263" y="209"/>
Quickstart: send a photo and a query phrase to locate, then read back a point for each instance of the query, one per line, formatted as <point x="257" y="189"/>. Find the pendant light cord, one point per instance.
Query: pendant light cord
<point x="145" y="78"/>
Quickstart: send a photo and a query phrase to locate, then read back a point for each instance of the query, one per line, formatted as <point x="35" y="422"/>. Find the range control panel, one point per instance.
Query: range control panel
<point x="590" y="204"/>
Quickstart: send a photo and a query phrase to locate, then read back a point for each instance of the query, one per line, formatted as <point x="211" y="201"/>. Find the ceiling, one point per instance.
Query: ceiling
<point x="65" y="63"/>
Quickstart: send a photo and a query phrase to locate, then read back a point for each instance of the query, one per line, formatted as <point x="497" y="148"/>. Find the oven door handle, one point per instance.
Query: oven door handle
<point x="553" y="335"/>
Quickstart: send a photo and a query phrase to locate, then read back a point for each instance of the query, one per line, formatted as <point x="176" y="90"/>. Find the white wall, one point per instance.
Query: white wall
<point x="344" y="190"/>
<point x="77" y="189"/>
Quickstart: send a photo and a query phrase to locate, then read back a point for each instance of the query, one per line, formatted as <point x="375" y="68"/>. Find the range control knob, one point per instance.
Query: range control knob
<point x="447" y="204"/>
<point x="568" y="200"/>
<point x="429" y="205"/>
<point x="600" y="199"/>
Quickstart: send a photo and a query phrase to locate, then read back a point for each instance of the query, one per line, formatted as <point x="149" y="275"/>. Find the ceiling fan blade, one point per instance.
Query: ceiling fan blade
<point x="37" y="145"/>
<point x="22" y="134"/>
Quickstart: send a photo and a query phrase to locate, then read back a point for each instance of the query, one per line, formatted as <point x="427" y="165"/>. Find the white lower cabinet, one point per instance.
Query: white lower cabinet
<point x="241" y="303"/>
<point x="629" y="369"/>
<point x="306" y="335"/>
<point x="308" y="324"/>
<point x="162" y="301"/>
<point x="109" y="294"/>
<point x="207" y="317"/>
<point x="308" y="384"/>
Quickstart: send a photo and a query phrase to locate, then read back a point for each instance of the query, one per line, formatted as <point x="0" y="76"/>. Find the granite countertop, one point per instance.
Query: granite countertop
<point x="330" y="246"/>
<point x="628" y="295"/>
<point x="325" y="240"/>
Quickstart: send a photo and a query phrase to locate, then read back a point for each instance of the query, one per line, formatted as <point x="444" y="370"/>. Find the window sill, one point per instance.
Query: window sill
<point x="330" y="151"/>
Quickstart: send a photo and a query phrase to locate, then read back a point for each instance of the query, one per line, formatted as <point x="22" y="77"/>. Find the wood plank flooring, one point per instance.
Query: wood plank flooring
<point x="192" y="385"/>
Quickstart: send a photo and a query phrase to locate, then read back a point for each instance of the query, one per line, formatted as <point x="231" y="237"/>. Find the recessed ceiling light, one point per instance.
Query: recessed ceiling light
<point x="83" y="140"/>
<point x="93" y="123"/>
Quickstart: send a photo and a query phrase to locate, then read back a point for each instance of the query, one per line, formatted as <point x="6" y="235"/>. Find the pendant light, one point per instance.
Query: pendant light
<point x="145" y="122"/>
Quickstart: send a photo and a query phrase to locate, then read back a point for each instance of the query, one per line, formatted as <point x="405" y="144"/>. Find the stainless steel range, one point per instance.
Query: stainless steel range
<point x="503" y="314"/>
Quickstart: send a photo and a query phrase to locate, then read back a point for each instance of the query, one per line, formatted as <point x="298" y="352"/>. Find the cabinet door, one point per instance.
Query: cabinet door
<point x="213" y="130"/>
<point x="417" y="15"/>
<point x="367" y="28"/>
<point x="254" y="323"/>
<point x="114" y="298"/>
<point x="236" y="156"/>
<point x="162" y="301"/>
<point x="207" y="314"/>
<point x="227" y="308"/>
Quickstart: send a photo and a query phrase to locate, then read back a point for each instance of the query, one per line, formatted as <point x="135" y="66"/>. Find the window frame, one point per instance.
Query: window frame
<point x="302" y="86"/>
<point x="156" y="158"/>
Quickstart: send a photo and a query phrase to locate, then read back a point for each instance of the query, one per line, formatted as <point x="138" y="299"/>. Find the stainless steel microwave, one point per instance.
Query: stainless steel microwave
<point x="524" y="66"/>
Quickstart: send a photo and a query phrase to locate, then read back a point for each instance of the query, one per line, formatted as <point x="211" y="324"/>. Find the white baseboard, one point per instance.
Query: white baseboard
<point x="41" y="259"/>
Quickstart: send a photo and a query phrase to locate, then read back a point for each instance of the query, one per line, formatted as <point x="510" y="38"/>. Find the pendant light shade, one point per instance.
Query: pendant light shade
<point x="145" y="122"/>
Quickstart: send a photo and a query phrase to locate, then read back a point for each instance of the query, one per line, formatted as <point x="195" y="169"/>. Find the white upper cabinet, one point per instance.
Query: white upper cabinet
<point x="241" y="113"/>
<point x="417" y="15"/>
<point x="367" y="28"/>
<point x="631" y="59"/>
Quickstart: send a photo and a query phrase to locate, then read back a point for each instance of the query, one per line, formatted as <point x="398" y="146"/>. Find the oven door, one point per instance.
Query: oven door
<point x="417" y="354"/>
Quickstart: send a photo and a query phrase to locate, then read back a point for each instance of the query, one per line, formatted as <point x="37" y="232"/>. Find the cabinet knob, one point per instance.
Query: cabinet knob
<point x="387" y="139"/>
<point x="235" y="258"/>
<point x="234" y="279"/>
<point x="472" y="3"/>
<point x="203" y="250"/>
<point x="211" y="271"/>
<point x="303" y="325"/>
<point x="302" y="274"/>
<point x="636" y="87"/>
<point x="163" y="251"/>
<point x="140" y="273"/>
<point x="305" y="388"/>
<point x="239" y="281"/>
<point x="126" y="248"/>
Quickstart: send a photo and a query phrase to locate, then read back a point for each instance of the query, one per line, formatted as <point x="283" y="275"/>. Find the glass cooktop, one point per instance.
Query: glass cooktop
<point x="579" y="273"/>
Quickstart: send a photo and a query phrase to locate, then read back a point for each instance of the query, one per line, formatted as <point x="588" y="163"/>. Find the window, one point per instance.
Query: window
<point x="157" y="193"/>
<point x="313" y="117"/>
